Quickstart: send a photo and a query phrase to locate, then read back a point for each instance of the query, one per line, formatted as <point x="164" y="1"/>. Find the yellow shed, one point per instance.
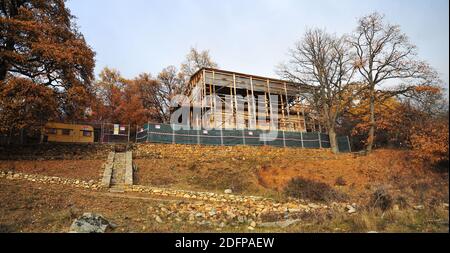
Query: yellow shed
<point x="61" y="132"/>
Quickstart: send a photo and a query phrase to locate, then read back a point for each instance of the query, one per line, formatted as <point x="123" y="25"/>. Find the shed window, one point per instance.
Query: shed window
<point x="50" y="130"/>
<point x="86" y="133"/>
<point x="66" y="131"/>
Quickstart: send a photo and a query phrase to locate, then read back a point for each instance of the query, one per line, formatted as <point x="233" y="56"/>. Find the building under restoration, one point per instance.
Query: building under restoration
<point x="242" y="101"/>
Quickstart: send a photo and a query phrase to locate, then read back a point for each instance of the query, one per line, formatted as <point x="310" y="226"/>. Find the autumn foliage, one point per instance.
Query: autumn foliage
<point x="416" y="120"/>
<point x="121" y="100"/>
<point x="431" y="145"/>
<point x="42" y="52"/>
<point x="25" y="103"/>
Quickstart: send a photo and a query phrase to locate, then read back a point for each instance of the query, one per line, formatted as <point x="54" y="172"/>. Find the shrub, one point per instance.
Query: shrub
<point x="381" y="199"/>
<point x="308" y="189"/>
<point x="430" y="144"/>
<point x="340" y="181"/>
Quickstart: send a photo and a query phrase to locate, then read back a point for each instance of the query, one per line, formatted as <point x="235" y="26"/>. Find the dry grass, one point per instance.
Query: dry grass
<point x="267" y="171"/>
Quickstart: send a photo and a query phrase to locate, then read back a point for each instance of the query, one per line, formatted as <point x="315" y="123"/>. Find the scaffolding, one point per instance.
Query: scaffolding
<point x="229" y="90"/>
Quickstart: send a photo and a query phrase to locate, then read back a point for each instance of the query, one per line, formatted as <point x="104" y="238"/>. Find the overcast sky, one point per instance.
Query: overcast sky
<point x="250" y="36"/>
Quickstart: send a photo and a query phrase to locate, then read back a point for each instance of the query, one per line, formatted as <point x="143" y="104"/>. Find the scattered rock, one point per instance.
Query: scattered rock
<point x="281" y="224"/>
<point x="253" y="224"/>
<point x="158" y="219"/>
<point x="89" y="223"/>
<point x="313" y="206"/>
<point x="228" y="191"/>
<point x="212" y="212"/>
<point x="419" y="207"/>
<point x="350" y="209"/>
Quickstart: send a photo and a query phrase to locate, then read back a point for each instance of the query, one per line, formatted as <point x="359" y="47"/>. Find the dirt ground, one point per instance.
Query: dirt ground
<point x="29" y="207"/>
<point x="77" y="169"/>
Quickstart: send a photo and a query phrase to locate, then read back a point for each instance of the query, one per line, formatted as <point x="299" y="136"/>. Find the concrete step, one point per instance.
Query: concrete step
<point x="116" y="189"/>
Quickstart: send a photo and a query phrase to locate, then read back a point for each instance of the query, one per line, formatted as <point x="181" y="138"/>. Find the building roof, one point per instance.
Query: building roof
<point x="246" y="75"/>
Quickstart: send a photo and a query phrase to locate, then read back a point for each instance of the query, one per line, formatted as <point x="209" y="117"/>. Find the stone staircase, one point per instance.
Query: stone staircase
<point x="118" y="172"/>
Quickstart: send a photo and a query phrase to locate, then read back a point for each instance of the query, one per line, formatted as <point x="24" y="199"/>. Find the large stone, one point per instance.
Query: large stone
<point x="419" y="207"/>
<point x="228" y="191"/>
<point x="158" y="219"/>
<point x="350" y="209"/>
<point x="89" y="223"/>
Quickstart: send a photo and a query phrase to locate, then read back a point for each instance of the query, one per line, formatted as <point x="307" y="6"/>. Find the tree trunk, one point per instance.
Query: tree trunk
<point x="371" y="136"/>
<point x="3" y="71"/>
<point x="333" y="141"/>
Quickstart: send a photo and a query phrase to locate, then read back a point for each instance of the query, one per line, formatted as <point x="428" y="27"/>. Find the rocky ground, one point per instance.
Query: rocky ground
<point x="202" y="208"/>
<point x="34" y="203"/>
<point x="75" y="169"/>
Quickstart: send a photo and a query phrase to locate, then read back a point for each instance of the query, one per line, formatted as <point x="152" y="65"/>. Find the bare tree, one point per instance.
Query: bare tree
<point x="384" y="53"/>
<point x="324" y="62"/>
<point x="196" y="60"/>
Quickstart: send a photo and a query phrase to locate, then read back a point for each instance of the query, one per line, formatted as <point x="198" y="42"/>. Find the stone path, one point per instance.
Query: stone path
<point x="118" y="172"/>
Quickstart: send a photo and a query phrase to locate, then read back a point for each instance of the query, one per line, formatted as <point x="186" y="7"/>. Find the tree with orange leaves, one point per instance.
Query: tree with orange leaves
<point x="416" y="120"/>
<point x="24" y="103"/>
<point x="40" y="46"/>
<point x="120" y="100"/>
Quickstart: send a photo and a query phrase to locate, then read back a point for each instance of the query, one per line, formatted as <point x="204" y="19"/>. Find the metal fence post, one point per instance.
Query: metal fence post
<point x="243" y="136"/>
<point x="320" y="140"/>
<point x="101" y="132"/>
<point x="221" y="136"/>
<point x="135" y="140"/>
<point x="349" y="146"/>
<point x="173" y="134"/>
<point x="301" y="139"/>
<point x="148" y="130"/>
<point x="198" y="137"/>
<point x="284" y="139"/>
<point x="129" y="126"/>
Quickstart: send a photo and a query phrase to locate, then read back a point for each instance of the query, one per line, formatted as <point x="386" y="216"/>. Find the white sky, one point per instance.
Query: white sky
<point x="250" y="36"/>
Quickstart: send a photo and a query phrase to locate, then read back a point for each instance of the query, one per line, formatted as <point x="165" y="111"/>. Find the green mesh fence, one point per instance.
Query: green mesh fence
<point x="164" y="133"/>
<point x="344" y="144"/>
